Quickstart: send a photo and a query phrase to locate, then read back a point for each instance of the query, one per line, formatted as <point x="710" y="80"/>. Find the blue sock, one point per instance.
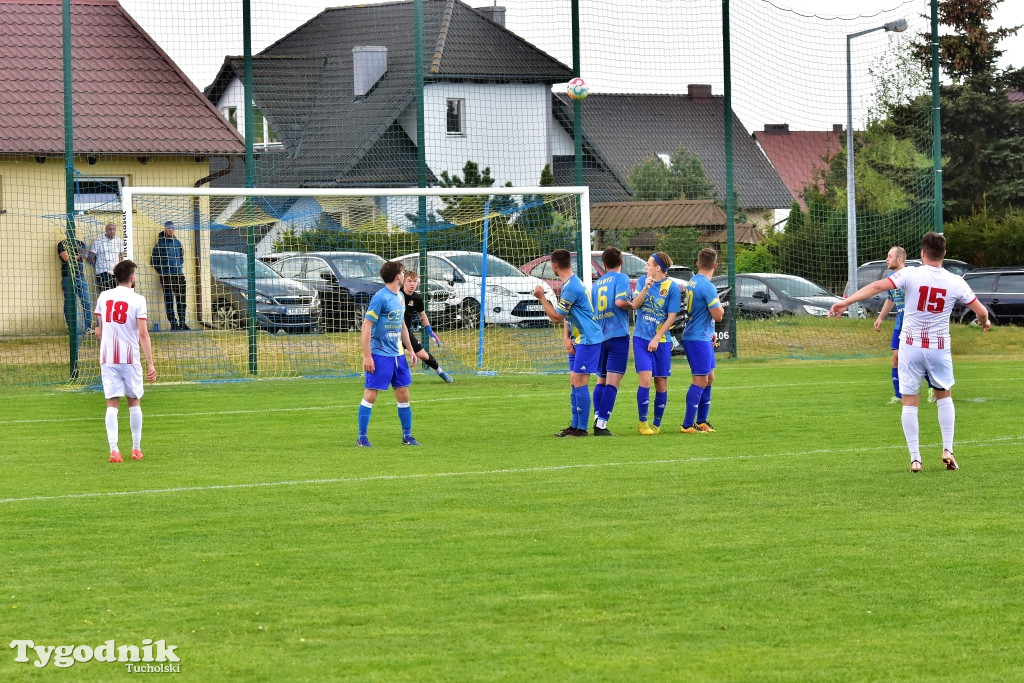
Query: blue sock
<point x="582" y="406"/>
<point x="607" y="401"/>
<point x="693" y="395"/>
<point x="643" y="399"/>
<point x="660" y="401"/>
<point x="599" y="390"/>
<point x="365" y="411"/>
<point x="704" y="407"/>
<point x="574" y="423"/>
<point x="405" y="417"/>
<point x="896" y="383"/>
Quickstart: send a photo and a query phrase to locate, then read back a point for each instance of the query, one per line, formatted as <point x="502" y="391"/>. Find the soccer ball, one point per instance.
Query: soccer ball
<point x="578" y="89"/>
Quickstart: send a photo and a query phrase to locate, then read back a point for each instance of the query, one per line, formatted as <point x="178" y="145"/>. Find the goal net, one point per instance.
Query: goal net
<point x="277" y="282"/>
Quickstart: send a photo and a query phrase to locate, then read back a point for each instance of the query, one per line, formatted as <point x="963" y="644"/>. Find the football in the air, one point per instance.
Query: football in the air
<point x="578" y="89"/>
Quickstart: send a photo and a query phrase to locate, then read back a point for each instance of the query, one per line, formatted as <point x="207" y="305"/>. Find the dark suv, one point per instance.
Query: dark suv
<point x="347" y="280"/>
<point x="1000" y="290"/>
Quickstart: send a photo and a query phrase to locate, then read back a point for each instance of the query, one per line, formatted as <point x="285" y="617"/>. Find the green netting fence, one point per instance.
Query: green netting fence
<point x="449" y="94"/>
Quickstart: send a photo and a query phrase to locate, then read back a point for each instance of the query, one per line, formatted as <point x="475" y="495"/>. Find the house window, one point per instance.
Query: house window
<point x="231" y="114"/>
<point x="456" y="117"/>
<point x="98" y="193"/>
<point x="263" y="132"/>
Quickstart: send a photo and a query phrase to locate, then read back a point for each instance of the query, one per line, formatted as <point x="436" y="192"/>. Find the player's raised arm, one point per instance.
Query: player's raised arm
<point x="554" y="315"/>
<point x="865" y="292"/>
<point x="638" y="298"/>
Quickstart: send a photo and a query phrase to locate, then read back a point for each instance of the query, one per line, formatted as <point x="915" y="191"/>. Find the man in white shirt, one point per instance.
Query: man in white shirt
<point x="108" y="251"/>
<point x="924" y="355"/>
<point x="121" y="329"/>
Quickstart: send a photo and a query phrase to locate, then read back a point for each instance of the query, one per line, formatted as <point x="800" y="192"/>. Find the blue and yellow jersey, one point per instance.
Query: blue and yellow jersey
<point x="608" y="289"/>
<point x="386" y="312"/>
<point x="662" y="298"/>
<point x="899" y="299"/>
<point x="701" y="298"/>
<point x="575" y="305"/>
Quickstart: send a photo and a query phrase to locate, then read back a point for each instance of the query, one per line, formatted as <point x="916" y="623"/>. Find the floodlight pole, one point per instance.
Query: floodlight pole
<point x="897" y="26"/>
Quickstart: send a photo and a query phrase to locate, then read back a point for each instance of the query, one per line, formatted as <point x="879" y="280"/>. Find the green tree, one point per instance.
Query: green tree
<point x="982" y="131"/>
<point x="682" y="244"/>
<point x="682" y="178"/>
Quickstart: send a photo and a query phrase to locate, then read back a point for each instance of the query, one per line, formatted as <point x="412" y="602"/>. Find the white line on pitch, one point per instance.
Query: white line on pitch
<point x="1000" y="441"/>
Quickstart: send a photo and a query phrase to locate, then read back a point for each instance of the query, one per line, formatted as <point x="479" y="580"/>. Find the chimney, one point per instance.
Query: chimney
<point x="776" y="129"/>
<point x="495" y="13"/>
<point x="699" y="90"/>
<point x="369" y="63"/>
<point x="837" y="128"/>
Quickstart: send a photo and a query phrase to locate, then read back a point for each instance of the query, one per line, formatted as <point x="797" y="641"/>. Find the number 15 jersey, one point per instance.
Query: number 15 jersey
<point x="120" y="309"/>
<point x="931" y="293"/>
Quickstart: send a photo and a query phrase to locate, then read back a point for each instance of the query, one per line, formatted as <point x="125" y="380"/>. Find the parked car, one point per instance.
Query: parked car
<point x="768" y="295"/>
<point x="347" y="280"/>
<point x="876" y="270"/>
<point x="509" y="298"/>
<point x="632" y="267"/>
<point x="1000" y="290"/>
<point x="680" y="273"/>
<point x="281" y="304"/>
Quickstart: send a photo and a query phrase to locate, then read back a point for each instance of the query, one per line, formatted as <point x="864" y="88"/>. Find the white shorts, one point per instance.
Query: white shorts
<point x="121" y="379"/>
<point x="916" y="363"/>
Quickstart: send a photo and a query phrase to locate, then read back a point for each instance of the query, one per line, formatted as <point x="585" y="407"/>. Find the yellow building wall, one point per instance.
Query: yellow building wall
<point x="32" y="207"/>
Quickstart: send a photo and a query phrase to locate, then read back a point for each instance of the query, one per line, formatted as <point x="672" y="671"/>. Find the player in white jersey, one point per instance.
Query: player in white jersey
<point x="924" y="353"/>
<point x="121" y="329"/>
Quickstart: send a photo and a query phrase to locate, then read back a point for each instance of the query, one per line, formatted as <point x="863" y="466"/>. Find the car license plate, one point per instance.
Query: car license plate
<point x="297" y="311"/>
<point x="434" y="306"/>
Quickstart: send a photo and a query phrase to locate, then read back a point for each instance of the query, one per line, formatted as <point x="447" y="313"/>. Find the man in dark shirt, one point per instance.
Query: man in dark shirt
<point x="72" y="275"/>
<point x="169" y="261"/>
<point x="414" y="309"/>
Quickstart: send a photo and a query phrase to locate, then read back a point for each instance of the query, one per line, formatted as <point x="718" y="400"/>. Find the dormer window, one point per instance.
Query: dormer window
<point x="455" y="117"/>
<point x="264" y="134"/>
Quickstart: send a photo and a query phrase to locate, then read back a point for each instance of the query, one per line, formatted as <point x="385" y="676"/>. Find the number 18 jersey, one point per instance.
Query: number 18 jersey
<point x="120" y="309"/>
<point x="930" y="294"/>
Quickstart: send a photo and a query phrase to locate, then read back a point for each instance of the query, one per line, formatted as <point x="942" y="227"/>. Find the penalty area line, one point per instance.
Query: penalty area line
<point x="997" y="441"/>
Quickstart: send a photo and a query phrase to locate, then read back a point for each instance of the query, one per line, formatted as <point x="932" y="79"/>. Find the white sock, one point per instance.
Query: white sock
<point x="111" y="423"/>
<point x="910" y="430"/>
<point x="947" y="419"/>
<point x="135" y="420"/>
<point x="600" y="424"/>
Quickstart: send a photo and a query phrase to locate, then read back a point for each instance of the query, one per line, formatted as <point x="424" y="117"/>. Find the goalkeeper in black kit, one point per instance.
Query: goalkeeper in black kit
<point x="414" y="309"/>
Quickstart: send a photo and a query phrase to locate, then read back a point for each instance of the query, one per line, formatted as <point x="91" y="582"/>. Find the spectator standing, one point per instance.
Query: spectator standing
<point x="73" y="284"/>
<point x="108" y="250"/>
<point x="169" y="261"/>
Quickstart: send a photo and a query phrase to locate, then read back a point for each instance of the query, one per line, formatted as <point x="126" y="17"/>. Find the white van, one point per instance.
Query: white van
<point x="508" y="299"/>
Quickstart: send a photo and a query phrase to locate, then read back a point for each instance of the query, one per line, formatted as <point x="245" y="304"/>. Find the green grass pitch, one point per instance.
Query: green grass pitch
<point x="793" y="544"/>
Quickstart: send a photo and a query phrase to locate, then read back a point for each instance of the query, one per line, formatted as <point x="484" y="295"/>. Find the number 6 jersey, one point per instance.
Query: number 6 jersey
<point x="931" y="293"/>
<point x="120" y="309"/>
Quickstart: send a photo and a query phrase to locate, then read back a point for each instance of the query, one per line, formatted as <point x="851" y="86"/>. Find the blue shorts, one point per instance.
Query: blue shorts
<point x="895" y="345"/>
<point x="586" y="358"/>
<point x="388" y="371"/>
<point x="659" y="363"/>
<point x="614" y="356"/>
<point x="700" y="354"/>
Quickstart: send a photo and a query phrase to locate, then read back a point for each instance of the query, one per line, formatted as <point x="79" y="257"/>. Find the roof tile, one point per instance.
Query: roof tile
<point x="128" y="96"/>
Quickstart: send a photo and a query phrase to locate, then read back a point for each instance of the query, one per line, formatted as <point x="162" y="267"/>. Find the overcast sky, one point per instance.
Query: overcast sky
<point x="788" y="66"/>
